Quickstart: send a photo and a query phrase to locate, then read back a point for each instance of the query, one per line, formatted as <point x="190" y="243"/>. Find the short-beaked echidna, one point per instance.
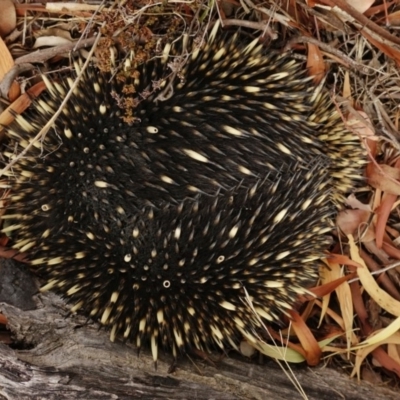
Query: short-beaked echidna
<point x="157" y="227"/>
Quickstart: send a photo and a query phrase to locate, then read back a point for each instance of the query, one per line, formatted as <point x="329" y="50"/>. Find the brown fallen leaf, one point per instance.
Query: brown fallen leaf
<point x="385" y="178"/>
<point x="19" y="105"/>
<point x="6" y="63"/>
<point x="315" y="63"/>
<point x="8" y="17"/>
<point x="357" y="223"/>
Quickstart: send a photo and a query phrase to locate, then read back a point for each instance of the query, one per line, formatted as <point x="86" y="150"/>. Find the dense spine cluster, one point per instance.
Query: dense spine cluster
<point x="223" y="183"/>
<point x="178" y="273"/>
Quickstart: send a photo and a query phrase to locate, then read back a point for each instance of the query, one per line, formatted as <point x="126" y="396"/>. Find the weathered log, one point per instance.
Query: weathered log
<point x="60" y="356"/>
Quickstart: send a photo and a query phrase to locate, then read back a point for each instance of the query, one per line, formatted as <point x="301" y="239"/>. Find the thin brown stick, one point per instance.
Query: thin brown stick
<point x="329" y="49"/>
<point x="41" y="56"/>
<point x="362" y="19"/>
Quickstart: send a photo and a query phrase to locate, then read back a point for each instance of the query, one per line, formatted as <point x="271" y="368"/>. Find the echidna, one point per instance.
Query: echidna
<point x="157" y="227"/>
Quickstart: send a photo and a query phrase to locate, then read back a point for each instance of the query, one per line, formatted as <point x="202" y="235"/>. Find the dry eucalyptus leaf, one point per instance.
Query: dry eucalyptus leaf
<point x="6" y="60"/>
<point x="360" y="124"/>
<point x="58" y="31"/>
<point x="356" y="204"/>
<point x="355" y="222"/>
<point x="6" y="64"/>
<point x="385" y="178"/>
<point x="50" y="41"/>
<point x="8" y="17"/>
<point x="360" y="5"/>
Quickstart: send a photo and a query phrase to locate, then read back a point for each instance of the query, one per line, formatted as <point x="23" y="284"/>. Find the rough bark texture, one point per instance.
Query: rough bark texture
<point x="62" y="357"/>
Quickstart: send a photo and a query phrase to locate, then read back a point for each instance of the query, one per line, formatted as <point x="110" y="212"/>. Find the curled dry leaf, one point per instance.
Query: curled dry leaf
<point x="59" y="31"/>
<point x="332" y="314"/>
<point x="50" y="41"/>
<point x="354" y="203"/>
<point x="312" y="351"/>
<point x="383" y="335"/>
<point x="379" y="354"/>
<point x="64" y="7"/>
<point x="381" y="297"/>
<point x="346" y="304"/>
<point x="385" y="178"/>
<point x="360" y="124"/>
<point x="388" y="335"/>
<point x="383" y="212"/>
<point x="6" y="63"/>
<point x="361" y="5"/>
<point x="315" y="63"/>
<point x="357" y="223"/>
<point x="284" y="353"/>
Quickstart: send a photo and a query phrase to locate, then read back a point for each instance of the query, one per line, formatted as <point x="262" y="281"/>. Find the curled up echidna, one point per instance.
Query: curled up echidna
<point x="222" y="184"/>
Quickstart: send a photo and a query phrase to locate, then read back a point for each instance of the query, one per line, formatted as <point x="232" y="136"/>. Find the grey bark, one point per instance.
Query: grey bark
<point x="61" y="356"/>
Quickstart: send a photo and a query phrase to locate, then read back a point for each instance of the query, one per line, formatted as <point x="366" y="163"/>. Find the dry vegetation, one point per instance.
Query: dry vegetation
<point x="354" y="45"/>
